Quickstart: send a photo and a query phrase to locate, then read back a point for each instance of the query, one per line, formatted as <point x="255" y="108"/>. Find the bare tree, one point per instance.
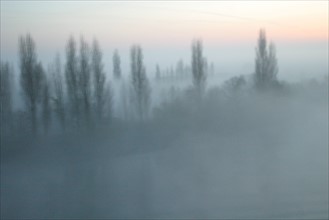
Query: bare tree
<point x="124" y="101"/>
<point x="31" y="77"/>
<point x="6" y="96"/>
<point x="266" y="67"/>
<point x="140" y="84"/>
<point x="116" y="65"/>
<point x="58" y="96"/>
<point x="46" y="108"/>
<point x="99" y="79"/>
<point x="198" y="68"/>
<point x="84" y="80"/>
<point x="72" y="80"/>
<point x="108" y="101"/>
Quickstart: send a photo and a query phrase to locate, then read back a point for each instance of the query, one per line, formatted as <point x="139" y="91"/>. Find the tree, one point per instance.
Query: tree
<point x="273" y="68"/>
<point x="180" y="68"/>
<point x="266" y="68"/>
<point x="234" y="86"/>
<point x="157" y="72"/>
<point x="125" y="107"/>
<point x="84" y="80"/>
<point x="46" y="109"/>
<point x="58" y="96"/>
<point x="71" y="75"/>
<point x="108" y="101"/>
<point x="99" y="79"/>
<point x="140" y="84"/>
<point x="31" y="77"/>
<point x="211" y="69"/>
<point x="6" y="90"/>
<point x="198" y="68"/>
<point x="116" y="65"/>
<point x="171" y="73"/>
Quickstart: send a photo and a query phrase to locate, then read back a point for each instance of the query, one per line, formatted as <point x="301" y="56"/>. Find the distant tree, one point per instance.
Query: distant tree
<point x="180" y="68"/>
<point x="206" y="67"/>
<point x="234" y="85"/>
<point x="58" y="95"/>
<point x="31" y="77"/>
<point x="273" y="68"/>
<point x="99" y="80"/>
<point x="198" y="68"/>
<point x="6" y="96"/>
<point x="116" y="65"/>
<point x="211" y="69"/>
<point x="108" y="103"/>
<point x="171" y="73"/>
<point x="157" y="72"/>
<point x="84" y="80"/>
<point x="187" y="71"/>
<point x="72" y="80"/>
<point x="124" y="101"/>
<point x="266" y="67"/>
<point x="46" y="108"/>
<point x="140" y="84"/>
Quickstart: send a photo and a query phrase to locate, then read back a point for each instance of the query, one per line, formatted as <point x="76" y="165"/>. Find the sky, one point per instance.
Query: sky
<point x="165" y="29"/>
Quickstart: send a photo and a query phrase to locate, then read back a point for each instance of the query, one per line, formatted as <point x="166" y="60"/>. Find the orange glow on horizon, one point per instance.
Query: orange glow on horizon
<point x="164" y="23"/>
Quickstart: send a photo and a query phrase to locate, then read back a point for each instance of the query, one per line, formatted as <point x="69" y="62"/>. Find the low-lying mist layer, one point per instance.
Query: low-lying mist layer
<point x="177" y="146"/>
<point x="245" y="155"/>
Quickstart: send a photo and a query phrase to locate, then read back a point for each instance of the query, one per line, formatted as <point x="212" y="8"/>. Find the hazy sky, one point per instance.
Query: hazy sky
<point x="165" y="29"/>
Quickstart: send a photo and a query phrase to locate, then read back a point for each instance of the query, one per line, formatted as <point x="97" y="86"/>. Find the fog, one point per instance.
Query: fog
<point x="216" y="131"/>
<point x="248" y="155"/>
<point x="230" y="59"/>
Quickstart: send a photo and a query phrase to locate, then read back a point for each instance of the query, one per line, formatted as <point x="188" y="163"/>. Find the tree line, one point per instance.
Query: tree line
<point x="77" y="94"/>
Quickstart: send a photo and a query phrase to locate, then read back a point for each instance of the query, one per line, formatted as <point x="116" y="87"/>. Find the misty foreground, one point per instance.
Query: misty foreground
<point x="247" y="156"/>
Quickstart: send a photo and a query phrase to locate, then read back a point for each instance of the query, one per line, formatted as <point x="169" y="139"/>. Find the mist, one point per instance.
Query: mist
<point x="193" y="129"/>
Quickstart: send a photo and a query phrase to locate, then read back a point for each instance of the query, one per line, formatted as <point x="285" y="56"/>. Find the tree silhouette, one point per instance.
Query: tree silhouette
<point x="140" y="83"/>
<point x="84" y="80"/>
<point x="99" y="79"/>
<point x="116" y="65"/>
<point x="46" y="108"/>
<point x="58" y="91"/>
<point x="72" y="81"/>
<point x="179" y="68"/>
<point x="266" y="68"/>
<point x="6" y="97"/>
<point x="31" y="77"/>
<point x="198" y="68"/>
<point x="124" y="98"/>
<point x="157" y="72"/>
